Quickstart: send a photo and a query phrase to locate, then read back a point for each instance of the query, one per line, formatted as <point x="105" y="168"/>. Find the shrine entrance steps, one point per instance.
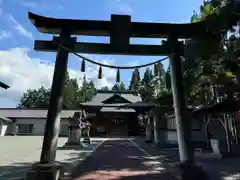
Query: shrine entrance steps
<point x="120" y="159"/>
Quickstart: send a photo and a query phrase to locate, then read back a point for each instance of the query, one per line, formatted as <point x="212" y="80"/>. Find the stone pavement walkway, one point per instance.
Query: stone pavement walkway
<point x="120" y="159"/>
<point x="218" y="169"/>
<point x="18" y="153"/>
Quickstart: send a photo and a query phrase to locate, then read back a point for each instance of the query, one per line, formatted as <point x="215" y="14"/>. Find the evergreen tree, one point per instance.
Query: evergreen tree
<point x="35" y="98"/>
<point x="116" y="88"/>
<point x="73" y="95"/>
<point x="134" y="83"/>
<point x="70" y="94"/>
<point x="105" y="88"/>
<point x="147" y="85"/>
<point x="122" y="87"/>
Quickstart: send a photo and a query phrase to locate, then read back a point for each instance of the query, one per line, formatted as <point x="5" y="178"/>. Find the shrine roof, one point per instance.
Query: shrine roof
<point x="106" y="99"/>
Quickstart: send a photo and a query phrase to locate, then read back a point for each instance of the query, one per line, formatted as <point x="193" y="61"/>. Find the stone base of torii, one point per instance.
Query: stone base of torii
<point x="52" y="171"/>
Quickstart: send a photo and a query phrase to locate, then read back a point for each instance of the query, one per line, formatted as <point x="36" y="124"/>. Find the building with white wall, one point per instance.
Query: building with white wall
<point x="30" y="121"/>
<point x="4" y="122"/>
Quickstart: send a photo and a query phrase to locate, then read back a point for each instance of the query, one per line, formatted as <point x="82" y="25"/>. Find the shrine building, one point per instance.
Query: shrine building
<point x="111" y="115"/>
<point x="106" y="112"/>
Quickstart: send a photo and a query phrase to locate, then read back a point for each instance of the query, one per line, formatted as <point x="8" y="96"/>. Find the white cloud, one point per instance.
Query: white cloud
<point x="133" y="63"/>
<point x="29" y="4"/>
<point x="125" y="8"/>
<point x="120" y="7"/>
<point x="4" y="35"/>
<point x="22" y="72"/>
<point x="108" y="74"/>
<point x="19" y="28"/>
<point x="43" y="5"/>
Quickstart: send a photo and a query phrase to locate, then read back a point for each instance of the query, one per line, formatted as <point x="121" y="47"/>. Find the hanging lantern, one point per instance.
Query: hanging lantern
<point x="118" y="76"/>
<point x="83" y="66"/>
<point x="156" y="71"/>
<point x="137" y="75"/>
<point x="100" y="73"/>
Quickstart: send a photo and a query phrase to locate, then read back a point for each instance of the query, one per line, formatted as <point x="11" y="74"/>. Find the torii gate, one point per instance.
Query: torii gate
<point x="120" y="29"/>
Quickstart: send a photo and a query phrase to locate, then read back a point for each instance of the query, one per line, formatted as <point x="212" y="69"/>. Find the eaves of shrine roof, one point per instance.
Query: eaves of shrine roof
<point x="115" y="109"/>
<point x="132" y="98"/>
<point x="101" y="97"/>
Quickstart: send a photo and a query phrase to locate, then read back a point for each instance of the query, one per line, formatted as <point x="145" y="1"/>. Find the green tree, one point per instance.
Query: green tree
<point x="159" y="82"/>
<point x="210" y="65"/>
<point x="87" y="91"/>
<point x="115" y="87"/>
<point x="147" y="86"/>
<point x="92" y="90"/>
<point x="70" y="94"/>
<point x="105" y="88"/>
<point x="167" y="79"/>
<point x="35" y="98"/>
<point x="73" y="95"/>
<point x="122" y="87"/>
<point x="134" y="83"/>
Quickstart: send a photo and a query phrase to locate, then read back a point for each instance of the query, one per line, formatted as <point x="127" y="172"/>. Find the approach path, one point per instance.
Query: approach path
<point x="120" y="159"/>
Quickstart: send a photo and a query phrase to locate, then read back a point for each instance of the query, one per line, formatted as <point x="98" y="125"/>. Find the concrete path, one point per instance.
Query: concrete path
<point x="18" y="153"/>
<point x="218" y="169"/>
<point x="120" y="159"/>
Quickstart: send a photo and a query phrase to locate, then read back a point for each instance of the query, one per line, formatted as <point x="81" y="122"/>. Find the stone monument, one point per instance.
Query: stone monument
<point x="74" y="130"/>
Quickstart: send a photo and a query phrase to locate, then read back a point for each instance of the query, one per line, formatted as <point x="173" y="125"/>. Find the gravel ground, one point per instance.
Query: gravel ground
<point x="17" y="153"/>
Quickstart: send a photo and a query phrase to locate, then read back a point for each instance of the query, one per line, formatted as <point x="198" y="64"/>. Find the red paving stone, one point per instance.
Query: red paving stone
<point x="119" y="159"/>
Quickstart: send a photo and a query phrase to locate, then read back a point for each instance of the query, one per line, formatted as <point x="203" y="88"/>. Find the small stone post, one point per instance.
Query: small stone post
<point x="156" y="130"/>
<point x="148" y="130"/>
<point x="14" y="128"/>
<point x="87" y="135"/>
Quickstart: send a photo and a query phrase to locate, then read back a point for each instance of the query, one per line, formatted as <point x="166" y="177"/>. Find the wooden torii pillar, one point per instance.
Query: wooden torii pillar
<point x="120" y="29"/>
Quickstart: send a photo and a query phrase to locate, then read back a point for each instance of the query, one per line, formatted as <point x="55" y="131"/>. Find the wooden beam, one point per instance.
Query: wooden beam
<point x="101" y="48"/>
<point x="120" y="32"/>
<point x="102" y="28"/>
<point x="4" y="86"/>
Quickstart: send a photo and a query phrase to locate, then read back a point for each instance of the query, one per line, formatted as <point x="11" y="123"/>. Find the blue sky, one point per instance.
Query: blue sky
<point x="24" y="68"/>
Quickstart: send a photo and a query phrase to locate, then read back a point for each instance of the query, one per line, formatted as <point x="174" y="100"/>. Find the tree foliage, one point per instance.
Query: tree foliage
<point x="208" y="76"/>
<point x="210" y="64"/>
<point x="134" y="82"/>
<point x="73" y="95"/>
